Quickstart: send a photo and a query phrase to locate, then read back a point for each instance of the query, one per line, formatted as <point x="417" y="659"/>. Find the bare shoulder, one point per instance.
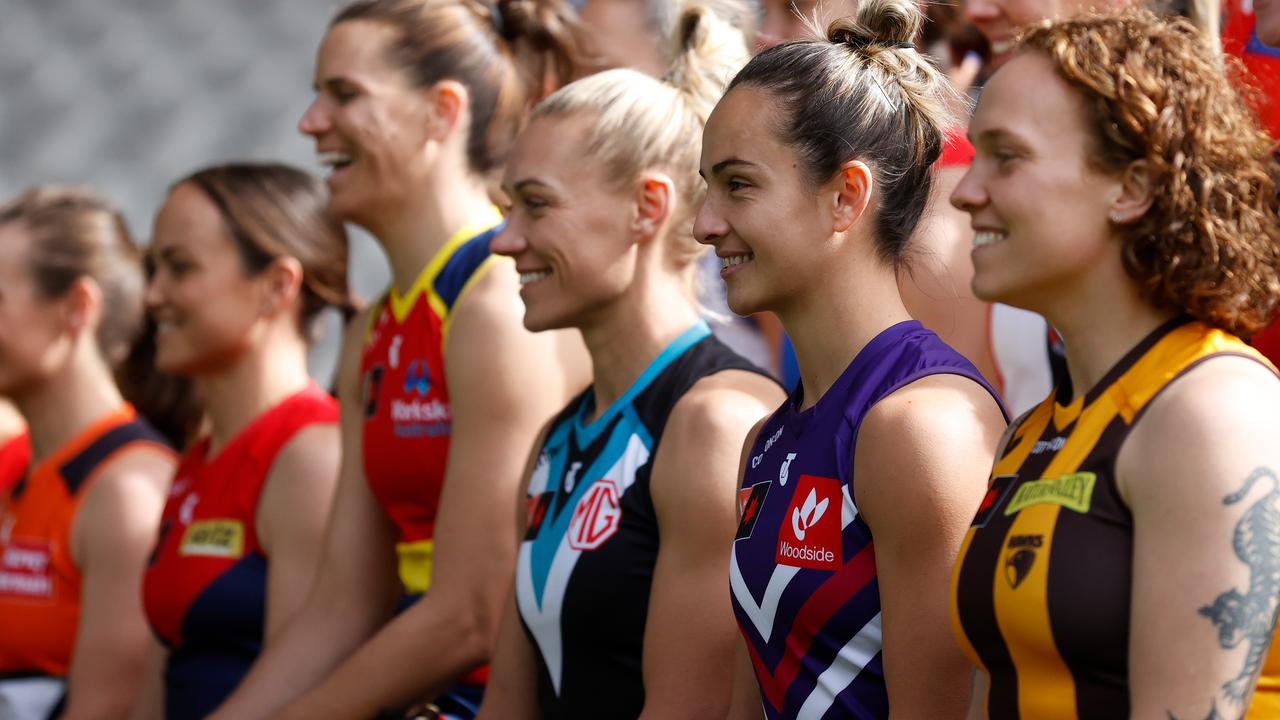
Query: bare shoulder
<point x="140" y="468"/>
<point x="312" y="450"/>
<point x="727" y="403"/>
<point x="491" y="304"/>
<point x="931" y="410"/>
<point x="121" y="507"/>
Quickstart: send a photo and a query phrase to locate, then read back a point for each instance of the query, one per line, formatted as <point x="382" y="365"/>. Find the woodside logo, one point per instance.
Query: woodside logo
<point x="810" y="533"/>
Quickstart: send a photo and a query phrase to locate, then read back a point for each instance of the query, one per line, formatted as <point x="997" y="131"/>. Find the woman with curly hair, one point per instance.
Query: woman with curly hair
<point x="1125" y="562"/>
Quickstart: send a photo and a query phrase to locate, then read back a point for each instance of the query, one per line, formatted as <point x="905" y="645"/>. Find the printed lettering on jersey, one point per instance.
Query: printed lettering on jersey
<point x="595" y="519"/>
<point x="755" y="461"/>
<point x="1043" y="446"/>
<point x="536" y="513"/>
<point x="1074" y="492"/>
<point x="213" y="538"/>
<point x="991" y="501"/>
<point x="25" y="569"/>
<point x="372" y="386"/>
<point x="810" y="533"/>
<point x="418" y="377"/>
<point x="750" y="500"/>
<point x="1020" y="556"/>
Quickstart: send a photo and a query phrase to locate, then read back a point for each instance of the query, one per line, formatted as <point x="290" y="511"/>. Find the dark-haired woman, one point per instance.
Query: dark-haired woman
<point x="75" y="532"/>
<point x="243" y="526"/>
<point x="858" y="489"/>
<point x="442" y="389"/>
<point x="1125" y="561"/>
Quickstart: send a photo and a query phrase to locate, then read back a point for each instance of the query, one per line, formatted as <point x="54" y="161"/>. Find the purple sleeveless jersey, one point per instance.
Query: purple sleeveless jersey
<point x="803" y="572"/>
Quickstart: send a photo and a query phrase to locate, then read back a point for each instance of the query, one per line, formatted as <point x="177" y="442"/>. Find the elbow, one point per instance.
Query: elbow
<point x="477" y="632"/>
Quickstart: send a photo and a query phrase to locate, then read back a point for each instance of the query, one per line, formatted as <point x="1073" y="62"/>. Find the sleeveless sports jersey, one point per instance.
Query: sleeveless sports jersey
<point x="407" y="417"/>
<point x="803" y="573"/>
<point x="15" y="456"/>
<point x="205" y="590"/>
<point x="1052" y="523"/>
<point x="586" y="563"/>
<point x="39" y="581"/>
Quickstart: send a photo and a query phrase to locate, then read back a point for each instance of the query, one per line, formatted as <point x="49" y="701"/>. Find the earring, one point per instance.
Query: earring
<point x="1115" y="217"/>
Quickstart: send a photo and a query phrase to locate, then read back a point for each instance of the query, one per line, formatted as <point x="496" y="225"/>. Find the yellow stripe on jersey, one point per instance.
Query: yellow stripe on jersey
<point x="415" y="559"/>
<point x="401" y="305"/>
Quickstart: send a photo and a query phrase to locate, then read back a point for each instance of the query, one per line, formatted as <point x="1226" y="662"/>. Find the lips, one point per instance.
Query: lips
<point x="983" y="238"/>
<point x="532" y="276"/>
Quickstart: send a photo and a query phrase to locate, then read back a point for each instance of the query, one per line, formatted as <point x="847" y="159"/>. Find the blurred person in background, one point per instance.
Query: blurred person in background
<point x="76" y="530"/>
<point x="15" y="447"/>
<point x="243" y="527"/>
<point x="1133" y="204"/>
<point x="442" y="390"/>
<point x="819" y="164"/>
<point x="632" y="488"/>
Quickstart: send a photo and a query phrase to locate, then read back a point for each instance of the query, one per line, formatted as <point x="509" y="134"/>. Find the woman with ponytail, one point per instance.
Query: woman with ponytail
<point x="244" y="523"/>
<point x="442" y="391"/>
<point x="76" y="530"/>
<point x="630" y="490"/>
<point x="858" y="490"/>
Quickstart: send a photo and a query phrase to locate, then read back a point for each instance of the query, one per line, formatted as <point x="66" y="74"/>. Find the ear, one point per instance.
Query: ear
<point x="852" y="185"/>
<point x="282" y="284"/>
<point x="655" y="196"/>
<point x="82" y="306"/>
<point x="449" y="101"/>
<point x="1134" y="196"/>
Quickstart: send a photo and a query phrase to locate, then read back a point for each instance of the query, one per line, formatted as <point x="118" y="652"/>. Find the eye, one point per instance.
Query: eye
<point x="534" y="204"/>
<point x="734" y="185"/>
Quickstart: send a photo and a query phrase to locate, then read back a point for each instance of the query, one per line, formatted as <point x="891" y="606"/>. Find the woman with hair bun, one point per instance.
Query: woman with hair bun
<point x="242" y="529"/>
<point x="76" y="530"/>
<point x="1125" y="562"/>
<point x="630" y="490"/>
<point x="442" y="391"/>
<point x="856" y="492"/>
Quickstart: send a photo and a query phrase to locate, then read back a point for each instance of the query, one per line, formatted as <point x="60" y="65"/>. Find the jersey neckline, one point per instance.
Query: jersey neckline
<point x="401" y="305"/>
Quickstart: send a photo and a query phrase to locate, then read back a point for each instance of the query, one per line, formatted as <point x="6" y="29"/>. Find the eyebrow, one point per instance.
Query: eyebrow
<point x="994" y="134"/>
<point x="522" y="185"/>
<point x="332" y="82"/>
<point x="728" y="163"/>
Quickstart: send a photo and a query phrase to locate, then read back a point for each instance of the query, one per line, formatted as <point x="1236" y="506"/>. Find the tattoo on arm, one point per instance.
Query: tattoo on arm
<point x="1250" y="616"/>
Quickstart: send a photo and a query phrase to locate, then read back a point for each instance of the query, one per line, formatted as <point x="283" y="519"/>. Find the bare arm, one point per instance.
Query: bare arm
<point x="356" y="585"/>
<point x="922" y="461"/>
<point x="496" y="415"/>
<point x="1201" y="474"/>
<point x="114" y="532"/>
<point x="150" y="702"/>
<point x="295" y="503"/>
<point x="690" y="633"/>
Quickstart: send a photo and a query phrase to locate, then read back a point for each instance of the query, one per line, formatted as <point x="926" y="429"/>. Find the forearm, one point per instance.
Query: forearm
<point x="415" y="657"/>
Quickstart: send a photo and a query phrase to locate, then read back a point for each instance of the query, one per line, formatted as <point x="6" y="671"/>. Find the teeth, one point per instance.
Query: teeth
<point x="987" y="237"/>
<point x="333" y="159"/>
<point x="1000" y="47"/>
<point x="727" y="262"/>
<point x="526" y="278"/>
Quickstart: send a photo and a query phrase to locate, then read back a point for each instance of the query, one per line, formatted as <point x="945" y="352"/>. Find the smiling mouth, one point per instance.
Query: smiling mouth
<point x="733" y="261"/>
<point x="334" y="160"/>
<point x="988" y="237"/>
<point x="533" y="277"/>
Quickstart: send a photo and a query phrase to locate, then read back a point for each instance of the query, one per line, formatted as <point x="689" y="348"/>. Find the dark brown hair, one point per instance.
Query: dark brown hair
<point x="75" y="233"/>
<point x="271" y="211"/>
<point x="1154" y="91"/>
<point x="863" y="93"/>
<point x="508" y="53"/>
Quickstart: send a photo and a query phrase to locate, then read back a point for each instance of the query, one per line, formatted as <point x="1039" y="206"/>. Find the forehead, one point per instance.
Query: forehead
<point x="551" y="147"/>
<point x="1056" y="114"/>
<point x="187" y="214"/>
<point x="745" y="120"/>
<point x="354" y="47"/>
<point x="13" y="243"/>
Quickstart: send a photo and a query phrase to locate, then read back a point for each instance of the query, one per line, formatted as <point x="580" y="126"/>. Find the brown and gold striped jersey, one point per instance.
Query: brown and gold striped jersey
<point x="1041" y="593"/>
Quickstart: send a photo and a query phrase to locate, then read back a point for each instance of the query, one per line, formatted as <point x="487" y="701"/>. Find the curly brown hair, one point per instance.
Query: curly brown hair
<point x="1154" y="91"/>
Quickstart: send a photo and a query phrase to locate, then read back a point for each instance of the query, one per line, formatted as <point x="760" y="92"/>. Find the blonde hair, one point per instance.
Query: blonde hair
<point x="864" y="92"/>
<point x="641" y="123"/>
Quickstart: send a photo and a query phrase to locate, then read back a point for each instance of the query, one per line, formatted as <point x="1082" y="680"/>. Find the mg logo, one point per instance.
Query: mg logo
<point x="595" y="520"/>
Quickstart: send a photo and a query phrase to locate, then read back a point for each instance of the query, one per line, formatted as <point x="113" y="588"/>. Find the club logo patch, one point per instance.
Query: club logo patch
<point x="1074" y="492"/>
<point x="26" y="569"/>
<point x="991" y="501"/>
<point x="1020" y="557"/>
<point x="810" y="533"/>
<point x="213" y="538"/>
<point x="536" y="513"/>
<point x="595" y="519"/>
<point x="750" y="500"/>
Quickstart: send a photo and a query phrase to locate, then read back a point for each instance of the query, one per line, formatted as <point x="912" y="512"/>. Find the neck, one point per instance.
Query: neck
<point x="61" y="407"/>
<point x="412" y="235"/>
<point x="259" y="379"/>
<point x="625" y="336"/>
<point x="1099" y="326"/>
<point x="836" y="316"/>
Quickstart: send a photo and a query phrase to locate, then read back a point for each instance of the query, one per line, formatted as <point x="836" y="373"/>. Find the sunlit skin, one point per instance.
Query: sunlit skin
<point x="564" y="220"/>
<point x="1032" y="186"/>
<point x="754" y="189"/>
<point x="620" y="35"/>
<point x="32" y="344"/>
<point x="1267" y="21"/>
<point x="195" y="260"/>
<point x="1000" y="20"/>
<point x="366" y="112"/>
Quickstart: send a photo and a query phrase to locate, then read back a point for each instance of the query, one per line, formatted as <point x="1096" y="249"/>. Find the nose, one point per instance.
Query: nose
<point x="969" y="195"/>
<point x="709" y="224"/>
<point x="153" y="295"/>
<point x="509" y="241"/>
<point x="314" y="121"/>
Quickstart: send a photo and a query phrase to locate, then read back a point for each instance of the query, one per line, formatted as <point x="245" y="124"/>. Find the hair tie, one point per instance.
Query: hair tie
<point x="499" y="25"/>
<point x="862" y="42"/>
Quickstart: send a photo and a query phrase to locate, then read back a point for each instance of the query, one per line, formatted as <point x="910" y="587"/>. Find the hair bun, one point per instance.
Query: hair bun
<point x="892" y="23"/>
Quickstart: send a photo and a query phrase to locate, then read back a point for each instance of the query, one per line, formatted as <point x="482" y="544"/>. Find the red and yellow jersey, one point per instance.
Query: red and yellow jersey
<point x="407" y="417"/>
<point x="39" y="580"/>
<point x="15" y="456"/>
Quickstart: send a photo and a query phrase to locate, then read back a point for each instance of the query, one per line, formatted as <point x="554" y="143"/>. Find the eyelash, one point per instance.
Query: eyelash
<point x="735" y="185"/>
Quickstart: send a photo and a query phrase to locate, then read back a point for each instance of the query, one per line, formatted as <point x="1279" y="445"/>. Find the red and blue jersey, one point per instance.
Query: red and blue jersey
<point x="803" y="573"/>
<point x="205" y="590"/>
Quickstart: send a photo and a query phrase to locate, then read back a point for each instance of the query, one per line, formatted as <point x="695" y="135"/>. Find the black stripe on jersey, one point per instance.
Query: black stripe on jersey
<point x="975" y="594"/>
<point x="78" y="469"/>
<point x="1083" y="546"/>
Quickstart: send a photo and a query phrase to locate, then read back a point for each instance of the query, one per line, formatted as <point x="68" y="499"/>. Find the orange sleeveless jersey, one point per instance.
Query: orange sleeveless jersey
<point x="15" y="456"/>
<point x="39" y="581"/>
